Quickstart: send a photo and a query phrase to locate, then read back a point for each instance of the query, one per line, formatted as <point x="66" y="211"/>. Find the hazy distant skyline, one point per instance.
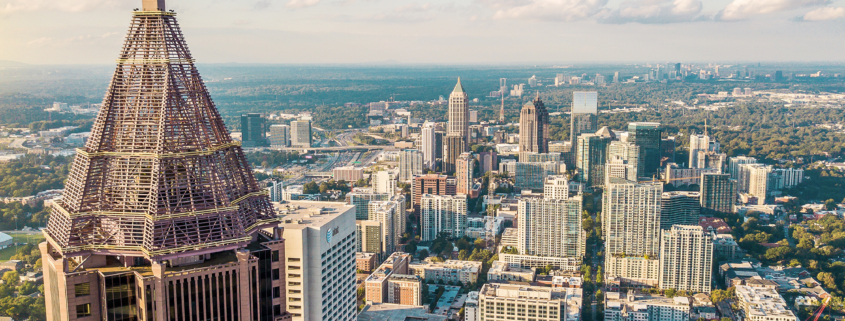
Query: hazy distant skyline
<point x="438" y="31"/>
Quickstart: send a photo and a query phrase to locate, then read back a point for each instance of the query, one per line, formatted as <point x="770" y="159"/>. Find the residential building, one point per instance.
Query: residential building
<point x="431" y="184"/>
<point x="253" y="130"/>
<point x="488" y="161"/>
<point x="556" y="187"/>
<point x="640" y="307"/>
<point x="279" y="136"/>
<point x="759" y="182"/>
<point x="686" y="259"/>
<point x="551" y="227"/>
<point x="398" y="312"/>
<point x="763" y="304"/>
<point x="365" y="261"/>
<point x="629" y="153"/>
<point x="361" y="198"/>
<point x="300" y="133"/>
<point x="786" y="177"/>
<point x="458" y="114"/>
<point x="392" y="282"/>
<point x="429" y="145"/>
<point x="465" y="165"/>
<point x="369" y="238"/>
<point x="679" y="208"/>
<point x="647" y="137"/>
<point x="533" y="261"/>
<point x="734" y="164"/>
<point x="348" y="173"/>
<point x="619" y="168"/>
<point x="391" y="215"/>
<point x="591" y="158"/>
<point x="502" y="271"/>
<point x="500" y="302"/>
<point x="725" y="247"/>
<point x="631" y="225"/>
<point x="534" y="127"/>
<point x="383" y="182"/>
<point x="465" y="272"/>
<point x="471" y="312"/>
<point x="718" y="193"/>
<point x="677" y="176"/>
<point x="410" y="164"/>
<point x="442" y="214"/>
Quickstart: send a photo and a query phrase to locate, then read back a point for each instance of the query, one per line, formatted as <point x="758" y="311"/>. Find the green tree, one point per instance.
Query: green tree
<point x="311" y="188"/>
<point x="11" y="277"/>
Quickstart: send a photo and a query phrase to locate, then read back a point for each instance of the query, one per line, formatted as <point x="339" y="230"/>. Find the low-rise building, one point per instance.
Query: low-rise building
<point x="392" y="283"/>
<point x="501" y="271"/>
<point x="511" y="302"/>
<point x="365" y="261"/>
<point x="531" y="261"/>
<point x="762" y="304"/>
<point x="450" y="271"/>
<point x="637" y="307"/>
<point x="397" y="312"/>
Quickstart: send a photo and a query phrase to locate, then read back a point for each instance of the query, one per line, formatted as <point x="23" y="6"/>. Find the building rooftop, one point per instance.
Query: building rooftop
<point x="397" y="312"/>
<point x="762" y="302"/>
<point x="518" y="291"/>
<point x="470" y="266"/>
<point x="303" y="214"/>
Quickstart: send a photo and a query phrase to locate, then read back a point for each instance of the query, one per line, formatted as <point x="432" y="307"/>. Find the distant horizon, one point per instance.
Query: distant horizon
<point x="389" y="63"/>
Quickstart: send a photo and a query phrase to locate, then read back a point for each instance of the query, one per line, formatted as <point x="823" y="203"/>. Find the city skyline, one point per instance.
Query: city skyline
<point x="311" y="31"/>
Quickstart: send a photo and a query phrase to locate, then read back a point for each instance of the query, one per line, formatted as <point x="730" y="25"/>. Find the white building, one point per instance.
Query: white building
<point x="502" y="271"/>
<point x="348" y="173"/>
<point x="279" y="136"/>
<point x="320" y="255"/>
<point x="442" y="214"/>
<point x="686" y="259"/>
<point x="452" y="270"/>
<point x="471" y="312"/>
<point x="556" y="187"/>
<point x="428" y="147"/>
<point x="763" y="304"/>
<point x="300" y="133"/>
<point x="410" y="164"/>
<point x="516" y="302"/>
<point x="551" y="227"/>
<point x="631" y="307"/>
<point x="383" y="182"/>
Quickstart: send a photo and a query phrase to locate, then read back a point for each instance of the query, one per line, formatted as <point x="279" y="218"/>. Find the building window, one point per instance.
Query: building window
<point x="82" y="289"/>
<point x="277" y="292"/>
<point x="83" y="310"/>
<point x="276" y="274"/>
<point x="275" y="256"/>
<point x="277" y="310"/>
<point x="293" y="259"/>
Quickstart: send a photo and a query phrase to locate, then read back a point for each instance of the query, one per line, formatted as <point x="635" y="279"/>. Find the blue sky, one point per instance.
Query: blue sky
<point x="439" y="31"/>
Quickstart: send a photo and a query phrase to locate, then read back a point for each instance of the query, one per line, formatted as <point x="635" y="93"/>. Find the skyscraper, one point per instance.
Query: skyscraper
<point x="464" y="173"/>
<point x="647" y="138"/>
<point x="161" y="198"/>
<point x="718" y="193"/>
<point x="532" y="175"/>
<point x="453" y="147"/>
<point x="631" y="218"/>
<point x="686" y="259"/>
<point x="410" y="164"/>
<point x="442" y="214"/>
<point x="551" y="227"/>
<point x="583" y="116"/>
<point x="534" y="128"/>
<point x="383" y="182"/>
<point x="556" y="188"/>
<point x="300" y="133"/>
<point x="679" y="208"/>
<point x="253" y="132"/>
<point x="459" y="115"/>
<point x="279" y="136"/>
<point x="429" y="146"/>
<point x="592" y="158"/>
<point x="628" y="153"/>
<point x="431" y="184"/>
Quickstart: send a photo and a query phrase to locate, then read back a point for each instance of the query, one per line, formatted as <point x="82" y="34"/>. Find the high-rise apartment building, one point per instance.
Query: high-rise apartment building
<point x="718" y="193"/>
<point x="583" y="119"/>
<point x="410" y="164"/>
<point x="532" y="175"/>
<point x="431" y="184"/>
<point x="679" y="208"/>
<point x="391" y="215"/>
<point x="499" y="302"/>
<point x="319" y="268"/>
<point x="348" y="173"/>
<point x="686" y="259"/>
<point x="631" y="225"/>
<point x="369" y="239"/>
<point x="300" y="133"/>
<point x="429" y="145"/>
<point x="701" y="145"/>
<point x="763" y="304"/>
<point x="442" y="214"/>
<point x="551" y="227"/>
<point x="592" y="158"/>
<point x="629" y="154"/>
<point x="556" y="188"/>
<point x="361" y="198"/>
<point x="453" y="147"/>
<point x="534" y="127"/>
<point x="647" y="137"/>
<point x="488" y="161"/>
<point x="253" y="130"/>
<point x="160" y="204"/>
<point x="734" y="167"/>
<point x="279" y="136"/>
<point x="619" y="168"/>
<point x="458" y="124"/>
<point x="759" y="183"/>
<point x="464" y="173"/>
<point x="383" y="182"/>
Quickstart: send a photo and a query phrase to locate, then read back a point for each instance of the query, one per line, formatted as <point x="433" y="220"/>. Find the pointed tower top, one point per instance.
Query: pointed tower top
<point x="458" y="88"/>
<point x="153" y="5"/>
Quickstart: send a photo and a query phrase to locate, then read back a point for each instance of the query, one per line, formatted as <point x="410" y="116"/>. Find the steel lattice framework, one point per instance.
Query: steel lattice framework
<point x="160" y="176"/>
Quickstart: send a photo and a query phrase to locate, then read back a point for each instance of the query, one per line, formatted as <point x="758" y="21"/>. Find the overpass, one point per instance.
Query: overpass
<point x="319" y="174"/>
<point x="337" y="148"/>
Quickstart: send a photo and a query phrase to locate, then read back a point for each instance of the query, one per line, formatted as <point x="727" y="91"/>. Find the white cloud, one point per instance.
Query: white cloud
<point x="654" y="11"/>
<point x="744" y="9"/>
<point x="826" y="13"/>
<point x="10" y="6"/>
<point x="301" y="3"/>
<point x="414" y="8"/>
<point x="553" y="10"/>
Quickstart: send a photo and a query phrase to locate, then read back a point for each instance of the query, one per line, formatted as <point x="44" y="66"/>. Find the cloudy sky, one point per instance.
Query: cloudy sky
<point x="439" y="31"/>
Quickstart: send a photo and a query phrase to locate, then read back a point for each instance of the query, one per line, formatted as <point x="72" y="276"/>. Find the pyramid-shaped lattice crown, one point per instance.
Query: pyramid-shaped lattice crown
<point x="160" y="175"/>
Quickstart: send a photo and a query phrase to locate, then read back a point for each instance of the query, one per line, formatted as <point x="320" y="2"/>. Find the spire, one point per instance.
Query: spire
<point x="458" y="88"/>
<point x="705" y="126"/>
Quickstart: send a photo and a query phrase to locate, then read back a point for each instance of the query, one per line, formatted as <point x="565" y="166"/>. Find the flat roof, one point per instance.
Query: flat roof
<point x="303" y="214"/>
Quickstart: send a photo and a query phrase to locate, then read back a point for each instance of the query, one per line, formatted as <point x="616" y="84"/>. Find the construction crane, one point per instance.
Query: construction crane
<point x="819" y="312"/>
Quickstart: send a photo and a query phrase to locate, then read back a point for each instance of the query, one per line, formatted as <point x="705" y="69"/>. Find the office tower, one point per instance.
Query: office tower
<point x="616" y="77"/>
<point x="488" y="161"/>
<point x="532" y="81"/>
<point x="458" y="124"/>
<point x="551" y="227"/>
<point x="532" y="175"/>
<point x="627" y="152"/>
<point x="300" y="135"/>
<point x="320" y="263"/>
<point x="503" y="85"/>
<point x="253" y="132"/>
<point x="556" y="188"/>
<point x="279" y="136"/>
<point x="160" y="197"/>
<point x="678" y="68"/>
<point x="592" y="158"/>
<point x="369" y="238"/>
<point x="438" y="143"/>
<point x="473" y="116"/>
<point x="584" y="115"/>
<point x="383" y="182"/>
<point x="679" y="208"/>
<point x="734" y="165"/>
<point x="453" y="147"/>
<point x="686" y="259"/>
<point x="600" y="80"/>
<point x="631" y="217"/>
<point x="464" y="173"/>
<point x="540" y="303"/>
<point x="361" y="199"/>
<point x="431" y="184"/>
<point x="647" y="138"/>
<point x="539" y="158"/>
<point x="534" y="127"/>
<point x="429" y="146"/>
<point x="442" y="214"/>
<point x="718" y="193"/>
<point x="348" y="173"/>
<point x="410" y="164"/>
<point x="759" y="183"/>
